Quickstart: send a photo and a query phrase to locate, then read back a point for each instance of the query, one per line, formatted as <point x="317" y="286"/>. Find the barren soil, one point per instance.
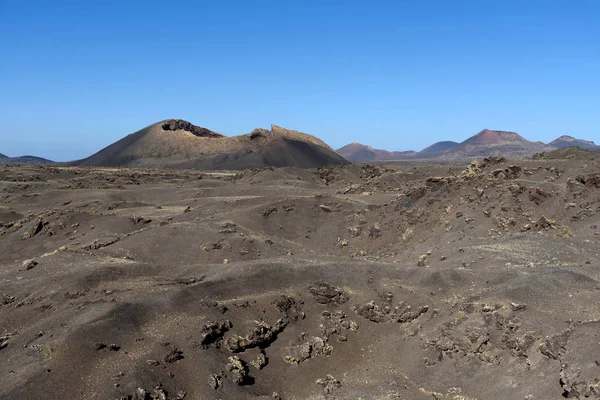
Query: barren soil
<point x="399" y="281"/>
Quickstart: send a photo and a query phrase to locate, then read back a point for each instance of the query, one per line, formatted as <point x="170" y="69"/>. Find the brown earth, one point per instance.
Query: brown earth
<point x="396" y="281"/>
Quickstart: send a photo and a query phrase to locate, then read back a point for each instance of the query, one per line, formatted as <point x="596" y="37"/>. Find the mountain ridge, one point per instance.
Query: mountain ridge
<point x="484" y="143"/>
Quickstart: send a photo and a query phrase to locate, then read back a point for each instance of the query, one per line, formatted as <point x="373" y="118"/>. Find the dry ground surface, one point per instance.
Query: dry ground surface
<point x="423" y="281"/>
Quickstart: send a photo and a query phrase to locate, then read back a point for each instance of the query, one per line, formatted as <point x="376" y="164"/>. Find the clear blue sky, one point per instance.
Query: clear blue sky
<point x="77" y="75"/>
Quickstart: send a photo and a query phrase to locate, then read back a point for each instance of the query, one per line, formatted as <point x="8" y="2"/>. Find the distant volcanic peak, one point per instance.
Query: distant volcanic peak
<point x="566" y="140"/>
<point x="563" y="137"/>
<point x="354" y="146"/>
<point x="181" y="125"/>
<point x="488" y="136"/>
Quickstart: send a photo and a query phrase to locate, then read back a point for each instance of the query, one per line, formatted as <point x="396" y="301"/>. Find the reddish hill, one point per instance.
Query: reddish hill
<point x="490" y="137"/>
<point x="496" y="143"/>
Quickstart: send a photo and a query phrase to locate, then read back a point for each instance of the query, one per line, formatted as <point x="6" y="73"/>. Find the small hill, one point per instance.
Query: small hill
<point x="179" y="144"/>
<point x="357" y="152"/>
<point x="438" y="148"/>
<point x="3" y="156"/>
<point x="569" y="141"/>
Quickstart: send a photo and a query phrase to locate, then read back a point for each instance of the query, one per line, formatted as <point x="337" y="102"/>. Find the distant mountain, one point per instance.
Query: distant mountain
<point x="24" y="160"/>
<point x="357" y="152"/>
<point x="438" y="148"/>
<point x="483" y="144"/>
<point x="568" y="141"/>
<point x="179" y="144"/>
<point x="496" y="143"/>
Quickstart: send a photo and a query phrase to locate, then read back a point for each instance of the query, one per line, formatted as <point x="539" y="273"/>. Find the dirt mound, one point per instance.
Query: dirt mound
<point x="179" y="144"/>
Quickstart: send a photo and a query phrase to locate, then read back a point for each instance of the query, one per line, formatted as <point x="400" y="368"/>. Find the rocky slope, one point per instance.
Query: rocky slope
<point x="179" y="144"/>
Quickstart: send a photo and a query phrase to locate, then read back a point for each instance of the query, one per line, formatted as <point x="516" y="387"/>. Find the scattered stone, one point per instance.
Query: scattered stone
<point x="544" y="223"/>
<point x="228" y="227"/>
<point x="517" y="307"/>
<point x="29" y="264"/>
<point x="385" y="313"/>
<point x="422" y="261"/>
<point x="261" y="336"/>
<point x="290" y="307"/>
<point x="215" y="381"/>
<point x="355" y="231"/>
<point x="324" y="208"/>
<point x="327" y="294"/>
<point x="99" y="346"/>
<point x="259" y="362"/>
<point x="329" y="384"/>
<point x="214" y="331"/>
<point x="37" y="228"/>
<point x="238" y="370"/>
<point x="315" y="347"/>
<point x="538" y="196"/>
<point x="174" y="355"/>
<point x="6" y="299"/>
<point x="374" y="232"/>
<point x="269" y="211"/>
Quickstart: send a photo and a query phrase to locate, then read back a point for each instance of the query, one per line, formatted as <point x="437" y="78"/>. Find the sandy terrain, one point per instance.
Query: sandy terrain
<point x="402" y="281"/>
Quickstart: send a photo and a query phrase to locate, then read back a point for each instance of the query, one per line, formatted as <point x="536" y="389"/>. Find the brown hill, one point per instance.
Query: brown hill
<point x="179" y="144"/>
<point x="359" y="152"/>
<point x="569" y="141"/>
